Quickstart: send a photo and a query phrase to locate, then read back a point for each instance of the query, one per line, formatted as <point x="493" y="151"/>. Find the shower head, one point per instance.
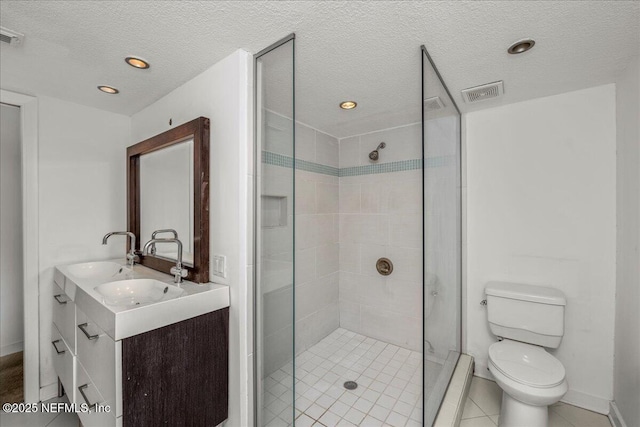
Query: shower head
<point x="374" y="154"/>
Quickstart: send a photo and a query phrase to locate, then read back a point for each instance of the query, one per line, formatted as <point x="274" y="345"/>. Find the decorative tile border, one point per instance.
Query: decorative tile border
<point x="403" y="165"/>
<point x="286" y="161"/>
<point x="317" y="168"/>
<point x="276" y="159"/>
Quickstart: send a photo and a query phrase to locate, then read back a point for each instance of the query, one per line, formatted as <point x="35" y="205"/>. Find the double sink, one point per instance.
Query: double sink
<point x="127" y="301"/>
<point x="124" y="291"/>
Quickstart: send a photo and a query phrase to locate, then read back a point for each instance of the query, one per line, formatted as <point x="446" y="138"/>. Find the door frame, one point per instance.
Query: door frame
<point x="30" y="252"/>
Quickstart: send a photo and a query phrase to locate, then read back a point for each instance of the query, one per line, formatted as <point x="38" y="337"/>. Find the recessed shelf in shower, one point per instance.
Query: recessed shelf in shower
<point x="274" y="211"/>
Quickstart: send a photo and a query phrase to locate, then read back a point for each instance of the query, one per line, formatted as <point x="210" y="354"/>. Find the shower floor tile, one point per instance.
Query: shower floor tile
<point x="389" y="388"/>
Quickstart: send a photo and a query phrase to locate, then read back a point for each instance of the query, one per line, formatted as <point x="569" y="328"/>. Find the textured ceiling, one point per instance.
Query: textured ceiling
<point x="366" y="51"/>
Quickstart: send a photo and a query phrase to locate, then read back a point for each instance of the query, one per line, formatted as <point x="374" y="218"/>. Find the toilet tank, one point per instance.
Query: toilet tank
<point x="526" y="313"/>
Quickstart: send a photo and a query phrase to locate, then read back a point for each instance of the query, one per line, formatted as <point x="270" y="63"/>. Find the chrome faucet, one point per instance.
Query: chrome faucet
<point x="178" y="272"/>
<point x="131" y="255"/>
<point x="155" y="233"/>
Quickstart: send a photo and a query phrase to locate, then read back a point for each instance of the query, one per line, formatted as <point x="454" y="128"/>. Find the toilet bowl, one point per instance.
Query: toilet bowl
<point x="526" y="319"/>
<point x="531" y="379"/>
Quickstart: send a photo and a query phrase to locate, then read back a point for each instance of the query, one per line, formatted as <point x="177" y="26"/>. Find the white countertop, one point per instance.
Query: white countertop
<point x="122" y="322"/>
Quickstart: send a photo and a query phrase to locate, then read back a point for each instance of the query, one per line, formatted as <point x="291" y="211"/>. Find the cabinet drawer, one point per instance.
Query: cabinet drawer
<point x="64" y="316"/>
<point x="99" y="355"/>
<point x="87" y="393"/>
<point x="63" y="363"/>
<point x="58" y="278"/>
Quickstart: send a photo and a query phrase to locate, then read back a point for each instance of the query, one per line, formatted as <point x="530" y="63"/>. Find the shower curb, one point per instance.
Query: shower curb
<point x="452" y="405"/>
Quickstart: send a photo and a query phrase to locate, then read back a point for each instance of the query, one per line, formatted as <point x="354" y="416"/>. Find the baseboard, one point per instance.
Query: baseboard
<point x="11" y="348"/>
<point x="587" y="401"/>
<point x="615" y="416"/>
<point x="48" y="392"/>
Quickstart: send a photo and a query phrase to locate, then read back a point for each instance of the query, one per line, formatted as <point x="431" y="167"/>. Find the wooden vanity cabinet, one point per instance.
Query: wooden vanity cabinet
<point x="177" y="375"/>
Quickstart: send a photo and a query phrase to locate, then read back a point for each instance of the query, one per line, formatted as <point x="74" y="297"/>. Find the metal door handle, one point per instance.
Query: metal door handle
<point x="57" y="298"/>
<point x="56" y="347"/>
<point x="84" y="396"/>
<point x="83" y="328"/>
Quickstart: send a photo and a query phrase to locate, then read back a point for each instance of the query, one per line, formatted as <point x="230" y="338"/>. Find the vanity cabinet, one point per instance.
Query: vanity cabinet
<point x="64" y="362"/>
<point x="175" y="375"/>
<point x="63" y="337"/>
<point x="64" y="316"/>
<point x="99" y="363"/>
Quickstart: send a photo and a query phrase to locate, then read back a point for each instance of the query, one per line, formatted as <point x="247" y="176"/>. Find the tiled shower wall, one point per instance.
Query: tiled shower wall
<point x="317" y="277"/>
<point x="316" y="255"/>
<point x="349" y="212"/>
<point x="381" y="216"/>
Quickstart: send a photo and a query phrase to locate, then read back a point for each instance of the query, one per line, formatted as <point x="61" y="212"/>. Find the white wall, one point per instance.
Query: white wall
<point x="223" y="93"/>
<point x="541" y="183"/>
<point x="82" y="187"/>
<point x="11" y="283"/>
<point x="442" y="238"/>
<point x="626" y="391"/>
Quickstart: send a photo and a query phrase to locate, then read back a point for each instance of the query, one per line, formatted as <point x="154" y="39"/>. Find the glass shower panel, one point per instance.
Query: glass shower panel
<point x="442" y="237"/>
<point x="274" y="290"/>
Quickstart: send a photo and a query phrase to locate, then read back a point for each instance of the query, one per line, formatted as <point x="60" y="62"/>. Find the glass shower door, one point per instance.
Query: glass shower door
<point x="442" y="236"/>
<point x="274" y="231"/>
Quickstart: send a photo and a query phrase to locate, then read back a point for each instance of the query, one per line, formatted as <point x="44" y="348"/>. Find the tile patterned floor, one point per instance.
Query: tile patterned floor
<point x="389" y="389"/>
<point x="482" y="409"/>
<point x="63" y="419"/>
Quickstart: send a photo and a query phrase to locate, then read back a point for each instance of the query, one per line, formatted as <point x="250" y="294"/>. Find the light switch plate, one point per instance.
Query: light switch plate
<point x="219" y="266"/>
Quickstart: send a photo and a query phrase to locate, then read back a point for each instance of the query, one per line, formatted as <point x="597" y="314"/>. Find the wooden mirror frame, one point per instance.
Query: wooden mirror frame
<point x="197" y="129"/>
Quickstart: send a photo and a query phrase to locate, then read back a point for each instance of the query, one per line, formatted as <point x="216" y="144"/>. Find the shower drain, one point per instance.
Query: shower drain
<point x="351" y="385"/>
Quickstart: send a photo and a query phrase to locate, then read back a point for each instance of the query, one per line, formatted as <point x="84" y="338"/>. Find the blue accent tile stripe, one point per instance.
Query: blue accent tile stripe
<point x="317" y="168"/>
<point x="276" y="159"/>
<point x="403" y="165"/>
<point x="286" y="161"/>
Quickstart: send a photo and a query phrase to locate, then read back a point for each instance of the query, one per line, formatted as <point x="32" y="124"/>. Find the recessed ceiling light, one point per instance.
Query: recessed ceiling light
<point x="348" y="105"/>
<point x="521" y="46"/>
<point x="136" y="62"/>
<point x="108" y="89"/>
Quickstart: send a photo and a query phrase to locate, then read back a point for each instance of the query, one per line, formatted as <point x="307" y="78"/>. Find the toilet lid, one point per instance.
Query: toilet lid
<point x="526" y="364"/>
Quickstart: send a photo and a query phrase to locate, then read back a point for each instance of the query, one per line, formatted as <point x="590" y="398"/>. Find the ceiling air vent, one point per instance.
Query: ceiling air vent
<point x="433" y="104"/>
<point x="12" y="38"/>
<point x="480" y="93"/>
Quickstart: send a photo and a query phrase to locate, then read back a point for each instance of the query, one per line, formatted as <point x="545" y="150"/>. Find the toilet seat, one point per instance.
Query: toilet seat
<point x="526" y="364"/>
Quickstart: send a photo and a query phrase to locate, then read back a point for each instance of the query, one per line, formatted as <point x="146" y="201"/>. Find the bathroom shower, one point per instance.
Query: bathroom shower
<point x="374" y="154"/>
<point x="326" y="281"/>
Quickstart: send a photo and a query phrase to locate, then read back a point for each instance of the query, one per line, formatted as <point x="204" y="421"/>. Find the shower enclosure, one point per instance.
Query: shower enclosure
<point x="357" y="287"/>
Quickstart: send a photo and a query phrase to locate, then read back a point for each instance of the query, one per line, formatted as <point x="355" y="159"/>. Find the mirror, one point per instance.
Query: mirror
<point x="164" y="204"/>
<point x="168" y="178"/>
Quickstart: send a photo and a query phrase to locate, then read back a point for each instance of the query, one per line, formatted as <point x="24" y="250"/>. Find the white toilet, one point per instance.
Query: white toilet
<point x="526" y="319"/>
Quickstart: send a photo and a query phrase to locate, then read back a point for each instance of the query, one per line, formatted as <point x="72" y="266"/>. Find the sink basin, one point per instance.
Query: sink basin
<point x="97" y="270"/>
<point x="137" y="292"/>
